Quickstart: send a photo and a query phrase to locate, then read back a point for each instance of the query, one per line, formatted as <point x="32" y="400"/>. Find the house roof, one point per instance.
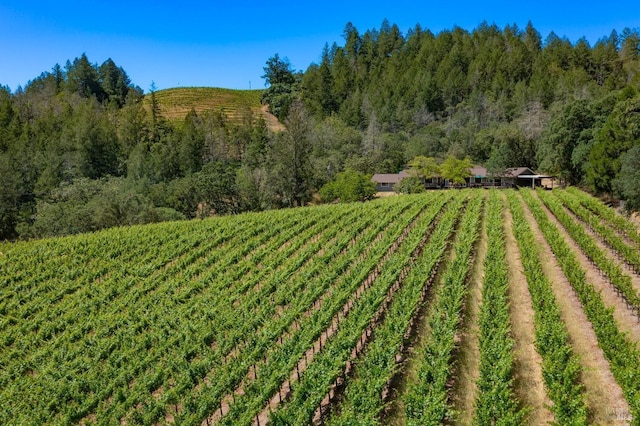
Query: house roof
<point x="389" y="177"/>
<point x="514" y="172"/>
<point x="478" y="171"/>
<point x="475" y="171"/>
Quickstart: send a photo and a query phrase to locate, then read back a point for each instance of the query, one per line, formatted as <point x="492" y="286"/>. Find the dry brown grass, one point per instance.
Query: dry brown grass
<point x="176" y="103"/>
<point x="468" y="353"/>
<point x="603" y="394"/>
<point x="528" y="381"/>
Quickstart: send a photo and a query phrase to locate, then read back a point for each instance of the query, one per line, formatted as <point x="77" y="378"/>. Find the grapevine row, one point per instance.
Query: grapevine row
<point x="614" y="272"/>
<point x="496" y="402"/>
<point x="53" y="378"/>
<point x="326" y="321"/>
<point x="560" y="366"/>
<point x="236" y="344"/>
<point x="110" y="340"/>
<point x="621" y="224"/>
<point x="330" y="363"/>
<point x="364" y="399"/>
<point x="290" y="340"/>
<point x="611" y="238"/>
<point x="426" y="402"/>
<point x="622" y="354"/>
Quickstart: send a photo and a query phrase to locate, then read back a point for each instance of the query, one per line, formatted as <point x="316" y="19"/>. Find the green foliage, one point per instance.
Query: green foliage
<point x="560" y="366"/>
<point x="114" y="81"/>
<point x="496" y="402"/>
<point x="618" y="134"/>
<point x="83" y="78"/>
<point x="455" y="170"/>
<point x="425" y="167"/>
<point x="335" y="146"/>
<point x="510" y="147"/>
<point x="282" y="86"/>
<point x="568" y="131"/>
<point x="426" y="401"/>
<point x="627" y="184"/>
<point x="604" y="262"/>
<point x="363" y="402"/>
<point x="87" y="205"/>
<point x="410" y="185"/>
<point x="618" y="349"/>
<point x="317" y="379"/>
<point x="428" y="140"/>
<point x="290" y="159"/>
<point x="9" y="197"/>
<point x="192" y="296"/>
<point x="499" y="96"/>
<point x="348" y="186"/>
<point x="215" y="187"/>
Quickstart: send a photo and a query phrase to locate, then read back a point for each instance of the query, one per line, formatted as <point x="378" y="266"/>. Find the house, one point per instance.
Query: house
<point x="522" y="176"/>
<point x="479" y="177"/>
<point x="386" y="181"/>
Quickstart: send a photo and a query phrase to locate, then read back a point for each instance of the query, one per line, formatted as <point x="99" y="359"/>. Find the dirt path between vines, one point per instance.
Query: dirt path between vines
<point x="602" y="245"/>
<point x="528" y="381"/>
<point x="603" y="394"/>
<point x="285" y="389"/>
<point x="395" y="415"/>
<point x="467" y="361"/>
<point x="625" y="317"/>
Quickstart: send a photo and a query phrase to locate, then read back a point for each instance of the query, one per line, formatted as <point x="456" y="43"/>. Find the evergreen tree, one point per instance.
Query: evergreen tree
<point x="567" y="130"/>
<point x="620" y="132"/>
<point x="627" y="184"/>
<point x="115" y="82"/>
<point x="290" y="158"/>
<point x="282" y="86"/>
<point x="83" y="78"/>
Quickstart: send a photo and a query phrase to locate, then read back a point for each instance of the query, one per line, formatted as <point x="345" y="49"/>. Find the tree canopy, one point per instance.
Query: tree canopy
<point x="348" y="186"/>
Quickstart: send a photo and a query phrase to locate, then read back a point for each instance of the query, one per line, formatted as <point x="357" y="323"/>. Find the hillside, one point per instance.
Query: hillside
<point x="176" y="103"/>
<point x="291" y="315"/>
<point x="503" y="97"/>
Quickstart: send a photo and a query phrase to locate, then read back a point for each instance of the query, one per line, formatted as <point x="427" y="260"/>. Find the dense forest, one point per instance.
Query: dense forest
<point x="81" y="149"/>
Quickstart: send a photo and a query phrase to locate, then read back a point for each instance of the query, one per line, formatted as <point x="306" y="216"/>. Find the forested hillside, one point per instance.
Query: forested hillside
<point x="83" y="148"/>
<point x="503" y="97"/>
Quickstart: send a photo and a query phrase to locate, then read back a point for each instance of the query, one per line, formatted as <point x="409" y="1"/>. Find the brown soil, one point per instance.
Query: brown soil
<point x="593" y="274"/>
<point x="635" y="218"/>
<point x="528" y="382"/>
<point x="384" y="194"/>
<point x="272" y="120"/>
<point x="625" y="317"/>
<point x="395" y="415"/>
<point x="468" y="354"/>
<point x="283" y="393"/>
<point x="603" y="394"/>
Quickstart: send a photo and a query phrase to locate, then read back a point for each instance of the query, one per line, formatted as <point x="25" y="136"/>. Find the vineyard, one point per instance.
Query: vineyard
<point x="451" y="307"/>
<point x="176" y="103"/>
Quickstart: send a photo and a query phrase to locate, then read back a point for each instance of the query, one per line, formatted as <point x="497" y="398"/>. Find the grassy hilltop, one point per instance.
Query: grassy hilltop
<point x="176" y="103"/>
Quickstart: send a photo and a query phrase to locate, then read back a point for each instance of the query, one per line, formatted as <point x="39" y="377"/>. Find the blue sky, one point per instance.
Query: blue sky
<point x="226" y="44"/>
